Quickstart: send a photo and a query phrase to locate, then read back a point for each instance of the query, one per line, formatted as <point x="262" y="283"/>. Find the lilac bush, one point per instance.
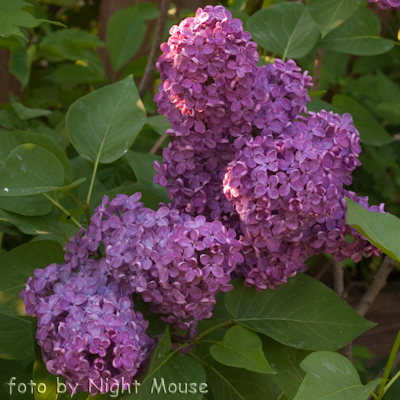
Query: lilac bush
<point x="258" y="187"/>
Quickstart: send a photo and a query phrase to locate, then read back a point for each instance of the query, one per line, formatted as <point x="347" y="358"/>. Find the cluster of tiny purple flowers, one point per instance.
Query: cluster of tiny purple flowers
<point x="178" y="263"/>
<point x="87" y="327"/>
<point x="387" y="4"/>
<point x="88" y="330"/>
<point x="242" y="153"/>
<point x="288" y="190"/>
<point x="212" y="91"/>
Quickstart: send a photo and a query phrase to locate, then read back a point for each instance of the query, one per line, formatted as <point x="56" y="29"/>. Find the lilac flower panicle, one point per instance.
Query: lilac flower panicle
<point x="87" y="327"/>
<point x="176" y="262"/>
<point x="287" y="187"/>
<point x="212" y="91"/>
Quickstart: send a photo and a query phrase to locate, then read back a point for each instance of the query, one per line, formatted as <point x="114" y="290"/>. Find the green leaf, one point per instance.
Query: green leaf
<point x="126" y="30"/>
<point x="142" y="166"/>
<point x="381" y="229"/>
<point x="359" y="35"/>
<point x="15" y="341"/>
<point x="7" y="30"/>
<point x="12" y="16"/>
<point x="317" y="105"/>
<point x="10" y="140"/>
<point x="286" y="29"/>
<point x="76" y="74"/>
<point x="241" y="348"/>
<point x="69" y="44"/>
<point x="304" y="313"/>
<point x="285" y="361"/>
<point x="158" y="123"/>
<point x="329" y="14"/>
<point x="371" y="131"/>
<point x="19" y="64"/>
<point x="18" y="265"/>
<point x="8" y="119"/>
<point x="22" y="174"/>
<point x="25" y="113"/>
<point x="332" y="376"/>
<point x="34" y="225"/>
<point x="388" y="90"/>
<point x="316" y="93"/>
<point x="167" y="370"/>
<point x="104" y="124"/>
<point x="229" y="383"/>
<point x="15" y="368"/>
<point x="30" y="206"/>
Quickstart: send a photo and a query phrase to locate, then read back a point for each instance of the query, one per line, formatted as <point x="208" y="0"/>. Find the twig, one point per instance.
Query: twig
<point x="158" y="144"/>
<point x="151" y="63"/>
<point x="317" y="68"/>
<point x="338" y="284"/>
<point x="338" y="278"/>
<point x="347" y="351"/>
<point x="322" y="271"/>
<point x="376" y="286"/>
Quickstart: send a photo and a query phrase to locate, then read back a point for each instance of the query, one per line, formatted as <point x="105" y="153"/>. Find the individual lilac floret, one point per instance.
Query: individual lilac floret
<point x="177" y="263"/>
<point x="287" y="188"/>
<point x="387" y="4"/>
<point x="87" y="328"/>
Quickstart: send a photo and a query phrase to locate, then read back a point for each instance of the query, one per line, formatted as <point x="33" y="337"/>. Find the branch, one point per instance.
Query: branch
<point x="323" y="270"/>
<point x="338" y="278"/>
<point x="376" y="286"/>
<point x="317" y="68"/>
<point x="158" y="144"/>
<point x="151" y="63"/>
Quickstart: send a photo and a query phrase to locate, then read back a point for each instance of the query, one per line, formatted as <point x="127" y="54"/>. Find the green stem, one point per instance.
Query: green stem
<point x="207" y="331"/>
<point x="80" y="204"/>
<point x="96" y="164"/>
<point x="83" y="206"/>
<point x="388" y="367"/>
<point x="374" y="396"/>
<point x="391" y="382"/>
<point x="57" y="204"/>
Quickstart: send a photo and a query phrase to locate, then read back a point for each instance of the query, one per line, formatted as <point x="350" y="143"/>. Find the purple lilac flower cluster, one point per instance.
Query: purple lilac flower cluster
<point x="178" y="263"/>
<point x="212" y="91"/>
<point x="387" y="4"/>
<point x="284" y="174"/>
<point x="87" y="328"/>
<point x="288" y="190"/>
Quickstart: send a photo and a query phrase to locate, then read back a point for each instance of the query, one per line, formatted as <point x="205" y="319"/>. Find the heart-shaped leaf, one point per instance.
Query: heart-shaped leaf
<point x="332" y="376"/>
<point x="304" y="313"/>
<point x="329" y="14"/>
<point x="241" y="348"/>
<point x="359" y="35"/>
<point x="286" y="29"/>
<point x="104" y="124"/>
<point x="371" y="131"/>
<point x="23" y="175"/>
